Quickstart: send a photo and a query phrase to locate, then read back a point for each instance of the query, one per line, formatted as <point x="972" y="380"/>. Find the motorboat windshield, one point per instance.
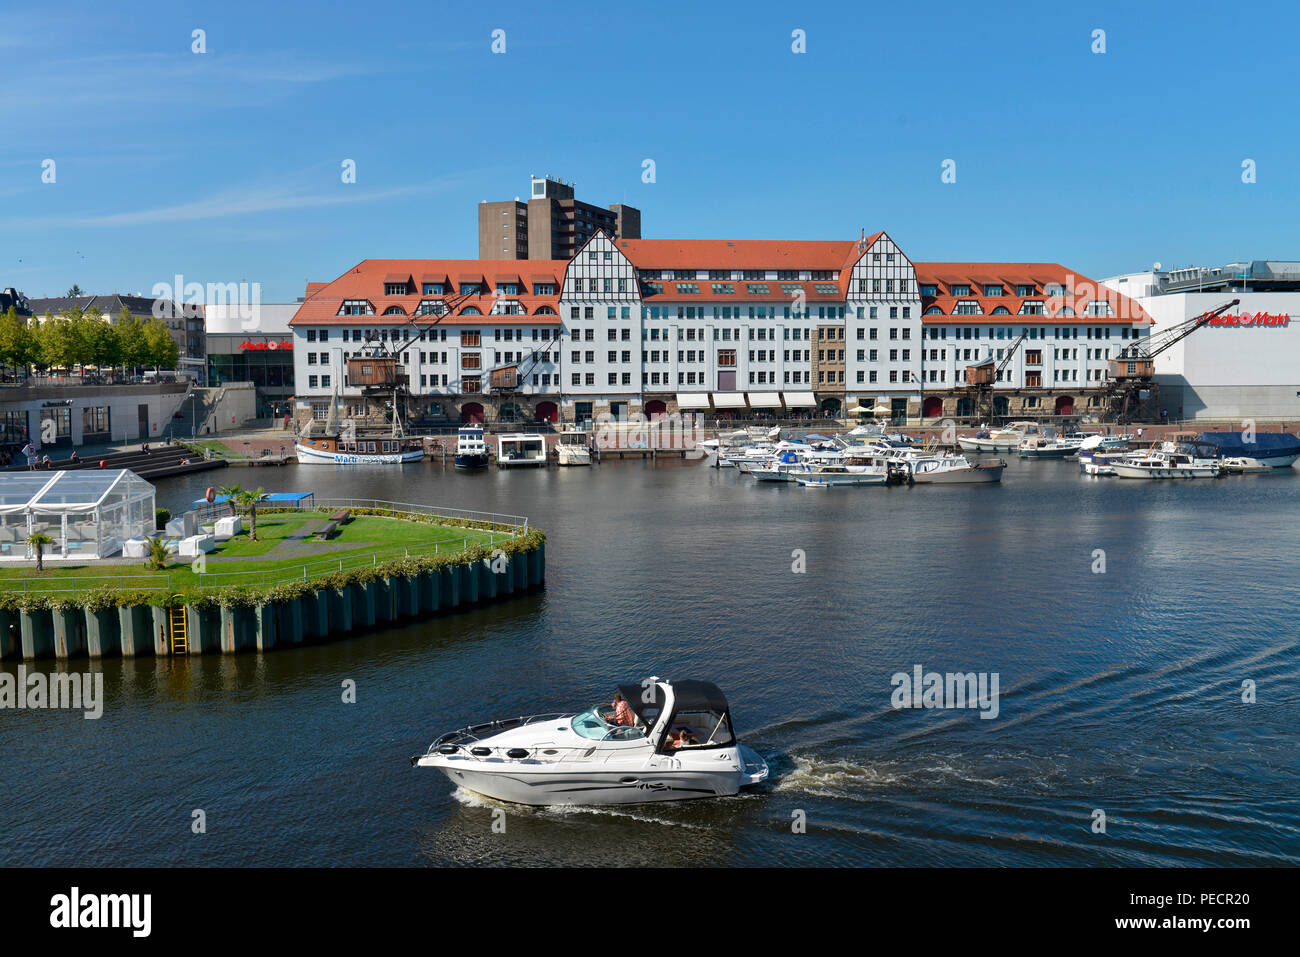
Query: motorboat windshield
<point x="591" y="724"/>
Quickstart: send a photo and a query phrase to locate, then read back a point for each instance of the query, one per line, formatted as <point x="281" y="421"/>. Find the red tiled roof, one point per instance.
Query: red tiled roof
<point x="366" y="280"/>
<point x="740" y="253"/>
<point x="1080" y="290"/>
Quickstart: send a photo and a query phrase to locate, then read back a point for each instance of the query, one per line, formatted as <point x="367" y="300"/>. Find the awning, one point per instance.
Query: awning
<point x="765" y="400"/>
<point x="692" y="400"/>
<point x="800" y="400"/>
<point x="728" y="400"/>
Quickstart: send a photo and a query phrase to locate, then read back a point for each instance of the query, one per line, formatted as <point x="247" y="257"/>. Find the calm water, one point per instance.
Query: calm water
<point x="1120" y="691"/>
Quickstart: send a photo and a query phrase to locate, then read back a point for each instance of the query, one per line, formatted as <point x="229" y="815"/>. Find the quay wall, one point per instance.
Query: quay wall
<point x="326" y="612"/>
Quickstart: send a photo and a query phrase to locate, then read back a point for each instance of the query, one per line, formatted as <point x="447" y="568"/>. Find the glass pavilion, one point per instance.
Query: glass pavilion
<point x="88" y="513"/>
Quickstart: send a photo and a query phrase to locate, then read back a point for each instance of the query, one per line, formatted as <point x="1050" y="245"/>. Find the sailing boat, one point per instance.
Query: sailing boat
<point x="350" y="446"/>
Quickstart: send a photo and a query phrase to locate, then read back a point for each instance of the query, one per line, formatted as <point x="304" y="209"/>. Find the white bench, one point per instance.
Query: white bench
<point x="228" y="527"/>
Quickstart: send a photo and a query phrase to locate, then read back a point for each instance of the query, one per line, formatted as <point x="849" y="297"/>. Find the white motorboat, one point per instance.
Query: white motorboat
<point x="1097" y="461"/>
<point x="471" y="451"/>
<point x="680" y="745"/>
<point x="1243" y="464"/>
<point x="519" y="449"/>
<point x="1163" y="463"/>
<point x="1006" y="439"/>
<point x="1043" y="447"/>
<point x="573" y="447"/>
<point x="943" y="469"/>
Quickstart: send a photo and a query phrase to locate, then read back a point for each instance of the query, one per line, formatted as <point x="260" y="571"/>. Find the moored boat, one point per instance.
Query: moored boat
<point x="471" y="449"/>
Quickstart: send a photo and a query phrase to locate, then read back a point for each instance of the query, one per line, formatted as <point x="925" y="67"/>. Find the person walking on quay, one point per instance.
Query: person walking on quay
<point x="29" y="450"/>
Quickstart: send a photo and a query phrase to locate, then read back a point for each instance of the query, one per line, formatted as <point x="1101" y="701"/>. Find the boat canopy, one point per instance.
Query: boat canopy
<point x="688" y="695"/>
<point x="1232" y="444"/>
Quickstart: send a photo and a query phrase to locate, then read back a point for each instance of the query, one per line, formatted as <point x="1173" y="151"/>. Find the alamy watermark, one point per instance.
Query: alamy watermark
<point x="930" y="689"/>
<point x="241" y="300"/>
<point x="65" y="690"/>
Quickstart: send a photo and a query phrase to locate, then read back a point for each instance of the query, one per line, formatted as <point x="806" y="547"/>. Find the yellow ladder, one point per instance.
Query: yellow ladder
<point x="180" y="635"/>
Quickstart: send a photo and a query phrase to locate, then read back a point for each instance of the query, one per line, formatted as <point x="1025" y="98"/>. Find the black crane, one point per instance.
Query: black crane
<point x="381" y="375"/>
<point x="982" y="376"/>
<point x="1133" y="371"/>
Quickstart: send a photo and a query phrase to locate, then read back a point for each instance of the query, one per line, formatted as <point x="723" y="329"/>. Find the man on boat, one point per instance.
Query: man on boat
<point x="622" y="711"/>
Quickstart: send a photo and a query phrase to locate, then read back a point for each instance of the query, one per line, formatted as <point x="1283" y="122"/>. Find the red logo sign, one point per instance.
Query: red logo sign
<point x="1258" y="319"/>
<point x="272" y="346"/>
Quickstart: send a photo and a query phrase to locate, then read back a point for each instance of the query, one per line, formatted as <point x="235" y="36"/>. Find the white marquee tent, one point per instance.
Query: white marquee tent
<point x="88" y="512"/>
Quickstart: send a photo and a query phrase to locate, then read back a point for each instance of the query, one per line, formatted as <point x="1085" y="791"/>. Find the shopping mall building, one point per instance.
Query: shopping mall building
<point x="1244" y="364"/>
<point x="727" y="328"/>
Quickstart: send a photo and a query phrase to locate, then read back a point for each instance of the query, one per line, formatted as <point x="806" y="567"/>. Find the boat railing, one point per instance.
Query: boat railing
<point x="475" y="732"/>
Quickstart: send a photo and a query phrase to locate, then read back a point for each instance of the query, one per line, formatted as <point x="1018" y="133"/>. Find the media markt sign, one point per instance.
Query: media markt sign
<point x="1258" y="319"/>
<point x="272" y="345"/>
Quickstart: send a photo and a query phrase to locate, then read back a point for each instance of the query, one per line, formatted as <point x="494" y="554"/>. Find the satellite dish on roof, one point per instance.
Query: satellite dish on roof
<point x="1155" y="266"/>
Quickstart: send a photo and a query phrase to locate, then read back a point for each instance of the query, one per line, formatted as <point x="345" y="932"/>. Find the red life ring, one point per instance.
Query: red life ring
<point x="210" y="495"/>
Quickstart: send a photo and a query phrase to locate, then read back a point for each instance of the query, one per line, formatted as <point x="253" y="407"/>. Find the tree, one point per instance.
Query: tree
<point x="15" y="341"/>
<point x="248" y="499"/>
<point x="132" y="349"/>
<point x="160" y="347"/>
<point x="232" y="494"/>
<point x="75" y="291"/>
<point x="156" y="554"/>
<point x="38" y="541"/>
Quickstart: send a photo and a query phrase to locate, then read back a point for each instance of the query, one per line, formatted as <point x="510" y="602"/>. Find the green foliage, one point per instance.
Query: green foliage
<point x="161" y="516"/>
<point x="156" y="554"/>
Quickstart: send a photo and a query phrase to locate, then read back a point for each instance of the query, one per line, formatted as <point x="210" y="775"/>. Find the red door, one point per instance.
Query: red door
<point x="1064" y="405"/>
<point x="471" y="412"/>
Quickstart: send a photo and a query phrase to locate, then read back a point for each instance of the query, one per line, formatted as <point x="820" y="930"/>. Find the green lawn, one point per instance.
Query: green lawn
<point x="239" y="561"/>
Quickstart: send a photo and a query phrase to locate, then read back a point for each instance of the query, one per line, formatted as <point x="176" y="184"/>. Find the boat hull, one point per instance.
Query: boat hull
<point x="976" y="475"/>
<point x="475" y="461"/>
<point x="570" y="784"/>
<point x="970" y="444"/>
<point x="310" y="456"/>
<point x="1164" y="472"/>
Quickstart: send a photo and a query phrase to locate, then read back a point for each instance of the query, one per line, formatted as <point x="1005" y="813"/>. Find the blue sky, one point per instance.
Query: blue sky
<point x="225" y="166"/>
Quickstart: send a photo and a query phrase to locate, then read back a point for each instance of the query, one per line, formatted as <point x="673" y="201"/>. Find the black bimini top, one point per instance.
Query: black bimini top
<point x="689" y="695"/>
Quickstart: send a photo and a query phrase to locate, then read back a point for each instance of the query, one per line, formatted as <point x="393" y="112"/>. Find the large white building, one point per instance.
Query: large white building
<point x="723" y="327"/>
<point x="1243" y="365"/>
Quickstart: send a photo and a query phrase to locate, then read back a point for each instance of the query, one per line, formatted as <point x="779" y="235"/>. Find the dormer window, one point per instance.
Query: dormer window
<point x="471" y="288"/>
<point x="433" y="289"/>
<point x="993" y="289"/>
<point x="961" y="289"/>
<point x="394" y="289"/>
<point x="356" y="307"/>
<point x="1025" y="291"/>
<point x="929" y="289"/>
<point x="508" y="288"/>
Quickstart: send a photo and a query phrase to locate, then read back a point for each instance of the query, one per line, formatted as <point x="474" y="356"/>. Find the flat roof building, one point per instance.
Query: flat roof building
<point x="1243" y="365"/>
<point x="551" y="224"/>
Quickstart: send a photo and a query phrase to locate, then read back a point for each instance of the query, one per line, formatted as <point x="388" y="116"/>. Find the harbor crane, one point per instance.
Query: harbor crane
<point x="1133" y="371"/>
<point x="508" y="377"/>
<point x="982" y="376"/>
<point x="377" y="371"/>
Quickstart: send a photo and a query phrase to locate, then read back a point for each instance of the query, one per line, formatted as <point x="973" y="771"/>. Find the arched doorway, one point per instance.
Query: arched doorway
<point x="547" y="412"/>
<point x="1001" y="406"/>
<point x="510" y="412"/>
<point x="964" y="407"/>
<point x="655" y="408"/>
<point x="932" y="407"/>
<point x="471" y="412"/>
<point x="1065" y="405"/>
<point x="831" y="408"/>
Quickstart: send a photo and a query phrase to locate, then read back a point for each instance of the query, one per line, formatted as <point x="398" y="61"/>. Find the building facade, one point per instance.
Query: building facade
<point x="725" y="328"/>
<point x="253" y="344"/>
<point x="1244" y="364"/>
<point x="551" y="224"/>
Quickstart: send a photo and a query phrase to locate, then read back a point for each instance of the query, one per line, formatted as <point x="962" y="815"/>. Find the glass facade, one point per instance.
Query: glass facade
<point x="264" y="360"/>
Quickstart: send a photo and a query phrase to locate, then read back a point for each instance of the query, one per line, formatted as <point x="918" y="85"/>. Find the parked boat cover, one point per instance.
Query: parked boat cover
<point x="1265" y="444"/>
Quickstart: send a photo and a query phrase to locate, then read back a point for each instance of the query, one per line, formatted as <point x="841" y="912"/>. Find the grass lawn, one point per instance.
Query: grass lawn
<point x="240" y="561"/>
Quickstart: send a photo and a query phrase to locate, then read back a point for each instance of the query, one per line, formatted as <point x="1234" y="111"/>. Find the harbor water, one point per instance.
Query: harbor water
<point x="1126" y="622"/>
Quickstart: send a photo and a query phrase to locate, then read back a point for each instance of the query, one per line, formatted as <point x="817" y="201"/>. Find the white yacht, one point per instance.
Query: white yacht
<point x="1165" y="463"/>
<point x="519" y="449"/>
<point x="680" y="745"/>
<point x="1005" y="439"/>
<point x="945" y="469"/>
<point x="573" y="447"/>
